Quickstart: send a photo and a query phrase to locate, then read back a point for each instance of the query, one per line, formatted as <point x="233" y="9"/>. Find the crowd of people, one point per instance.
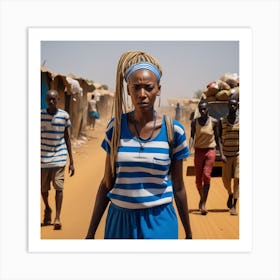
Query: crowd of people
<point x="145" y="151"/>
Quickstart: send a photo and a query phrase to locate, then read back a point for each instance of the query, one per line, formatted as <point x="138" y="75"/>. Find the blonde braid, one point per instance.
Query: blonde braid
<point x="127" y="59"/>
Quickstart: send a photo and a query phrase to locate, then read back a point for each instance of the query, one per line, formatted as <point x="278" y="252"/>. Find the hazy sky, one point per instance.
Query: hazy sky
<point x="188" y="66"/>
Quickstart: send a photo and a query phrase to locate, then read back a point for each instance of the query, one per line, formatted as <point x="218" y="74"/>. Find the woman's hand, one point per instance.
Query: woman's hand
<point x="189" y="235"/>
<point x="89" y="236"/>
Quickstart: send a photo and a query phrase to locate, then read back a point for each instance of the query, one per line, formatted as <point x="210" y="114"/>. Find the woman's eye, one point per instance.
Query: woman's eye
<point x="149" y="88"/>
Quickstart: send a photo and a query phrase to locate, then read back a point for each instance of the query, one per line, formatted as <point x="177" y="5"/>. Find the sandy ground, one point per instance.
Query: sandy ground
<point x="80" y="191"/>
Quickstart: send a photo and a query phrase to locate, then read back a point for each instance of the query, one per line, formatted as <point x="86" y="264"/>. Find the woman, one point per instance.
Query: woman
<point x="204" y="138"/>
<point x="137" y="182"/>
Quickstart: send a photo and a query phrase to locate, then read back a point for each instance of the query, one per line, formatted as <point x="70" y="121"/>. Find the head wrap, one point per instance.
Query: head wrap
<point x="143" y="65"/>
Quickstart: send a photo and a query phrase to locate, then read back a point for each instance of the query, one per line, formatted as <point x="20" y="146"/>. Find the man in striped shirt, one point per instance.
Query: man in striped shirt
<point x="55" y="143"/>
<point x="229" y="133"/>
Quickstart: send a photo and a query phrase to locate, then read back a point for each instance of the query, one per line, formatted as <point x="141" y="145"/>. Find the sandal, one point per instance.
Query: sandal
<point x="57" y="225"/>
<point x="203" y="212"/>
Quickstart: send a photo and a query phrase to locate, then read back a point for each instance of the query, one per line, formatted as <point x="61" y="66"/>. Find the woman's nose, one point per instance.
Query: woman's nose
<point x="142" y="93"/>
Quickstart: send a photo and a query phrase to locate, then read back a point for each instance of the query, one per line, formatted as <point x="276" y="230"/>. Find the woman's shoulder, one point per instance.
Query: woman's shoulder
<point x="111" y="122"/>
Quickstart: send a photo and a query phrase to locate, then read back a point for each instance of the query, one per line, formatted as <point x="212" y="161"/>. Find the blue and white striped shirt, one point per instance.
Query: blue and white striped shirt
<point x="142" y="177"/>
<point x="53" y="146"/>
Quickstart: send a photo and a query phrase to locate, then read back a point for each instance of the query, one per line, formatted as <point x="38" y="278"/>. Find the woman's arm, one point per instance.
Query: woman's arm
<point x="101" y="200"/>
<point x="180" y="196"/>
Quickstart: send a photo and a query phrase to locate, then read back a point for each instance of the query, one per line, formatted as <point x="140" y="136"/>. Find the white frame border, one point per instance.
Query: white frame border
<point x="36" y="35"/>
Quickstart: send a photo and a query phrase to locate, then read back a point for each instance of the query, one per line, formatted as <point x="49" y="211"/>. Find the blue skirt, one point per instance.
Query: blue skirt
<point x="158" y="222"/>
<point x="94" y="114"/>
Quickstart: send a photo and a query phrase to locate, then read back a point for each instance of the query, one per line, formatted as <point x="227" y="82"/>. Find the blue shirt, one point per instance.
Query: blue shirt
<point x="142" y="177"/>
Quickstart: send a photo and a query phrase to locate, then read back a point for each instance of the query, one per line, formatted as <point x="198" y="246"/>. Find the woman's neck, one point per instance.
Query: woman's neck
<point x="144" y="117"/>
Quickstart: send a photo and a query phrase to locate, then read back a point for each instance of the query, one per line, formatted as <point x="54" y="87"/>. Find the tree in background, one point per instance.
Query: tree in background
<point x="197" y="94"/>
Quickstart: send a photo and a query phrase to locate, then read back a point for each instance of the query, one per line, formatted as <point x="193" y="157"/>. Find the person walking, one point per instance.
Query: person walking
<point x="178" y="112"/>
<point x="92" y="111"/>
<point x="142" y="176"/>
<point x="55" y="143"/>
<point x="229" y="134"/>
<point x="204" y="138"/>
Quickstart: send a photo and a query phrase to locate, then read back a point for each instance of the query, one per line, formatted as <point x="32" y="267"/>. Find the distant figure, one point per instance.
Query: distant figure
<point x="178" y="112"/>
<point x="55" y="143"/>
<point x="204" y="138"/>
<point x="92" y="111"/>
<point x="229" y="134"/>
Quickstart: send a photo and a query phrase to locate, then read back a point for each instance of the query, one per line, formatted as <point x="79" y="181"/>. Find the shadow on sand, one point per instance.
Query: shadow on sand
<point x="197" y="211"/>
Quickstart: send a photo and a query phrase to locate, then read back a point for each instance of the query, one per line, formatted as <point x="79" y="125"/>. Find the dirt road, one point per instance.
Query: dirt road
<point x="80" y="191"/>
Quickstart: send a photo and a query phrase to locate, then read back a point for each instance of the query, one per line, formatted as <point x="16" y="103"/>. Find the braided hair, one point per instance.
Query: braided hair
<point x="127" y="59"/>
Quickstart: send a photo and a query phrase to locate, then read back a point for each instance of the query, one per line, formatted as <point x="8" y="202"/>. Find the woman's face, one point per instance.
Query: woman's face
<point x="143" y="89"/>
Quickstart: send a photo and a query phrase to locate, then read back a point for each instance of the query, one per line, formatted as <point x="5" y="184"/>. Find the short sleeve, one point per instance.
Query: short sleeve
<point x="68" y="122"/>
<point x="106" y="143"/>
<point x="180" y="149"/>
